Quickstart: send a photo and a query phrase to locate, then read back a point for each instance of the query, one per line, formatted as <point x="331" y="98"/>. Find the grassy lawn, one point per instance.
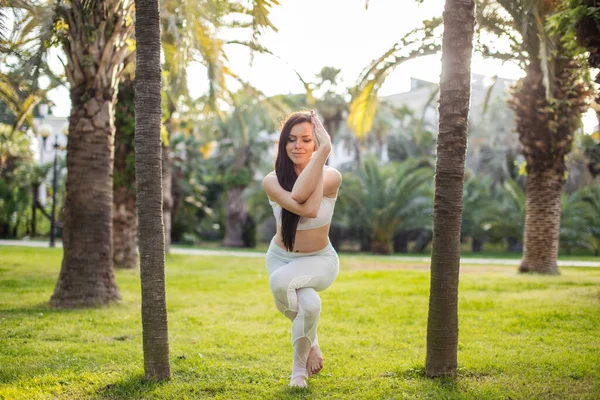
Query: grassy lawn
<point x="521" y="337"/>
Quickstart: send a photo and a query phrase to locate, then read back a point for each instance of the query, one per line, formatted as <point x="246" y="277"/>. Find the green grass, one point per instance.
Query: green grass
<point x="521" y="337"/>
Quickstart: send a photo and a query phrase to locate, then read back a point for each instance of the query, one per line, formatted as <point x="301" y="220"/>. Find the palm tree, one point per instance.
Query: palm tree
<point x="125" y="232"/>
<point x="380" y="200"/>
<point x="148" y="115"/>
<point x="97" y="41"/>
<point x="554" y="86"/>
<point x="189" y="32"/>
<point x="591" y="195"/>
<point x="455" y="81"/>
<point x="579" y="19"/>
<point x="506" y="217"/>
<point x="242" y="144"/>
<point x="477" y="200"/>
<point x="420" y="42"/>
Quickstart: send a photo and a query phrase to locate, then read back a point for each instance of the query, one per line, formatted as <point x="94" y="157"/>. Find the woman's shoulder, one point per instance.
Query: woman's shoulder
<point x="332" y="172"/>
<point x="270" y="176"/>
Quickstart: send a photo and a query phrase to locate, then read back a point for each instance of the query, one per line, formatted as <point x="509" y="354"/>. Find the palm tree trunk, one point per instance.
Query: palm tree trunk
<point x="177" y="176"/>
<point x="382" y="242"/>
<point x="124" y="210"/>
<point x="401" y="240"/>
<point x="86" y="277"/>
<point x="476" y="245"/>
<point x="124" y="229"/>
<point x="442" y="323"/>
<point x="36" y="199"/>
<point x="167" y="167"/>
<point x="94" y="67"/>
<point x="148" y="167"/>
<point x="235" y="217"/>
<point x="547" y="137"/>
<point x="542" y="223"/>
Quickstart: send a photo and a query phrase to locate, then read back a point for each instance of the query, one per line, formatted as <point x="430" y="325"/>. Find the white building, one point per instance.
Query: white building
<point x="55" y="130"/>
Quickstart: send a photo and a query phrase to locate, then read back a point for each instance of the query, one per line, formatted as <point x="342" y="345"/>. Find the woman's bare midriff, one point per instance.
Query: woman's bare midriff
<point x="307" y="241"/>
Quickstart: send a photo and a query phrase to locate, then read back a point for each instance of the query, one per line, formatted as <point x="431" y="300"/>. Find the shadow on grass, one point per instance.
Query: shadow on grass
<point x="131" y="387"/>
<point x="47" y="309"/>
<point x="293" y="393"/>
<point x="446" y="387"/>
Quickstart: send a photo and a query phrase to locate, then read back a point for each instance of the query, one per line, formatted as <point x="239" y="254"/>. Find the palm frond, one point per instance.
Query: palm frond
<point x="417" y="43"/>
<point x="260" y="14"/>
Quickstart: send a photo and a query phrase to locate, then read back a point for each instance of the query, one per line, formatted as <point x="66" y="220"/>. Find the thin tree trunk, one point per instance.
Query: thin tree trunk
<point x="423" y="239"/>
<point x="401" y="240"/>
<point x="542" y="223"/>
<point x="124" y="210"/>
<point x="442" y="323"/>
<point x="36" y="199"/>
<point x="177" y="176"/>
<point x="382" y="242"/>
<point x="235" y="217"/>
<point x="476" y="245"/>
<point x="167" y="167"/>
<point x="124" y="230"/>
<point x="148" y="166"/>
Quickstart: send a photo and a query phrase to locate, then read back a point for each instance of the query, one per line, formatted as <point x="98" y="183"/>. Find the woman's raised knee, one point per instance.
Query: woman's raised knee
<point x="278" y="283"/>
<point x="311" y="306"/>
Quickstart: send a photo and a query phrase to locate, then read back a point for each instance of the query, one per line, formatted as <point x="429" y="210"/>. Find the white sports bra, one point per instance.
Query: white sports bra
<point x="323" y="217"/>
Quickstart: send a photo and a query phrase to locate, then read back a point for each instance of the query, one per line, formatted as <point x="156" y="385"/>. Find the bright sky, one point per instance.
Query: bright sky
<point x="336" y="33"/>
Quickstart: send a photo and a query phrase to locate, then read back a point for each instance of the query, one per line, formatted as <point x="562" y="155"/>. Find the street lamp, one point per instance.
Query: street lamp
<point x="45" y="132"/>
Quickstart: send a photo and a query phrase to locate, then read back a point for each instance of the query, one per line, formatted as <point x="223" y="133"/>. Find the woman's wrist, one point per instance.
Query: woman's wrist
<point x="325" y="147"/>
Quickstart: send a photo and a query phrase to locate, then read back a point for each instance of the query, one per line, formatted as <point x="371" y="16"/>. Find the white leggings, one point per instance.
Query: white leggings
<point x="295" y="279"/>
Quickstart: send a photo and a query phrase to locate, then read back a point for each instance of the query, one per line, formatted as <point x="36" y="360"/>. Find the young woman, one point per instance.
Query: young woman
<point x="300" y="259"/>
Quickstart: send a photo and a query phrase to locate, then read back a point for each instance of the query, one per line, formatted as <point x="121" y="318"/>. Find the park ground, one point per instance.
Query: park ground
<point x="520" y="336"/>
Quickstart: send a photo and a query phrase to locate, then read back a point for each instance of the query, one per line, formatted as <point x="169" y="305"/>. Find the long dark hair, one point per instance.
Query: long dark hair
<point x="286" y="175"/>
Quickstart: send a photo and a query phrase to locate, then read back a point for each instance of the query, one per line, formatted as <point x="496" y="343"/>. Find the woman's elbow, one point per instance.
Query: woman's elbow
<point x="313" y="213"/>
<point x="299" y="198"/>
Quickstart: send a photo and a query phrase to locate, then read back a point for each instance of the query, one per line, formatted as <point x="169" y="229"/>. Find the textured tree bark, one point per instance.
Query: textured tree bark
<point x="542" y="223"/>
<point x="86" y="277"/>
<point x="148" y="166"/>
<point x="235" y="217"/>
<point x="455" y="81"/>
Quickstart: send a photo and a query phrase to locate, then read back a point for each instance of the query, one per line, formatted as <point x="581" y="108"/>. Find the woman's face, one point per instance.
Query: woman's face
<point x="301" y="143"/>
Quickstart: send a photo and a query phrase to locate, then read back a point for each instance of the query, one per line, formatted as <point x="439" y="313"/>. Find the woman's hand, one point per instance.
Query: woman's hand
<point x="321" y="136"/>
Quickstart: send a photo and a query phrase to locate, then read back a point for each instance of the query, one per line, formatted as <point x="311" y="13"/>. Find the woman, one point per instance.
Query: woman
<point x="300" y="259"/>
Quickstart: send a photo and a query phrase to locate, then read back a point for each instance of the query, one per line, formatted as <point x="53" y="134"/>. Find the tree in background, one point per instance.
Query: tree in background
<point x="125" y="232"/>
<point x="242" y="143"/>
<point x="555" y="86"/>
<point x="96" y="38"/>
<point x="379" y="200"/>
